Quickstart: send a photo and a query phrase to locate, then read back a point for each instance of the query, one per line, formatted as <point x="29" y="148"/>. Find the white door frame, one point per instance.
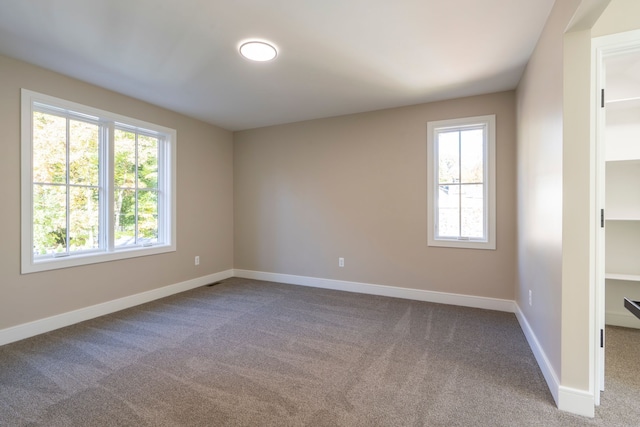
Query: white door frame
<point x="602" y="48"/>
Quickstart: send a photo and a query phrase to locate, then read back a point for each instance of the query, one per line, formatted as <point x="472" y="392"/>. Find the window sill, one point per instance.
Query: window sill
<point x="462" y="244"/>
<point x="54" y="263"/>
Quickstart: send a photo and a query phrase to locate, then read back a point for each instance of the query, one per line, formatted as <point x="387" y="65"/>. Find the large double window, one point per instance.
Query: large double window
<point x="96" y="186"/>
<point x="461" y="184"/>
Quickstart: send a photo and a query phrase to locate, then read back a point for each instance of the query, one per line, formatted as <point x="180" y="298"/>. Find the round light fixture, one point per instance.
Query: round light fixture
<point x="258" y="51"/>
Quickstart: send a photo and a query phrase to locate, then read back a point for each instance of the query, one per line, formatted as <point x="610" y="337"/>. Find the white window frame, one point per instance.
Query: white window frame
<point x="488" y="122"/>
<point x="32" y="101"/>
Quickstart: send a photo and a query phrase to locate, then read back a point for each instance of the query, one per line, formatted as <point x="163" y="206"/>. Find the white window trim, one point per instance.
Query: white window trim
<point x="31" y="265"/>
<point x="490" y="179"/>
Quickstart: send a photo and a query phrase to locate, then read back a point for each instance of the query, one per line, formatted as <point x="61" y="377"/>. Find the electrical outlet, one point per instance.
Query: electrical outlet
<point x="197" y="261"/>
<point x="530" y="298"/>
<point x="340" y="262"/>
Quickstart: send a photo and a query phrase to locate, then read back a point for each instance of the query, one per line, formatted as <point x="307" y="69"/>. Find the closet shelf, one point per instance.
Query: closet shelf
<point x="623" y="103"/>
<point x="626" y="277"/>
<point x="622" y="162"/>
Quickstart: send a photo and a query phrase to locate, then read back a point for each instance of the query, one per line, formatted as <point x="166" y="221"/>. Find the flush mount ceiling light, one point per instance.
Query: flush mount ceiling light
<point x="258" y="51"/>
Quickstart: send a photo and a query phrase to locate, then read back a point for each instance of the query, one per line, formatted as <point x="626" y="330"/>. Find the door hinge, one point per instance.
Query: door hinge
<point x="601" y="338"/>
<point x="601" y="218"/>
<point x="602" y="98"/>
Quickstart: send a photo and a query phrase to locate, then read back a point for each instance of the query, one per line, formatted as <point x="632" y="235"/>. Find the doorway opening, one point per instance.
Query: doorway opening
<point x="618" y="201"/>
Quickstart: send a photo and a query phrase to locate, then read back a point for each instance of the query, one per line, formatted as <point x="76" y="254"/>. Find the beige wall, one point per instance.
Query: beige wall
<point x="540" y="178"/>
<point x="620" y="16"/>
<point x="204" y="212"/>
<point x="355" y="187"/>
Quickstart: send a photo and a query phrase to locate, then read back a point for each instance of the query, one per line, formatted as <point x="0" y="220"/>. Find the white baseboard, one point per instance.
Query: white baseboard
<point x="40" y="326"/>
<point x="382" y="290"/>
<point x="576" y="401"/>
<point x="541" y="357"/>
<point x="626" y="320"/>
<point x="568" y="399"/>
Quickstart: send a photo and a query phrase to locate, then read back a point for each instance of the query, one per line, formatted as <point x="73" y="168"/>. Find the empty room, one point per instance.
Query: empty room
<point x="320" y="213"/>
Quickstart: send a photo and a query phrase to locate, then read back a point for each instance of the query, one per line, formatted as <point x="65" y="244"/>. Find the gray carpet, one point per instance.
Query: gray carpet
<point x="250" y="353"/>
<point x="620" y="402"/>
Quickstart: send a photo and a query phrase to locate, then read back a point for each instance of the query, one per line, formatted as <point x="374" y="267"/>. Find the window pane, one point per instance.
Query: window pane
<point x="49" y="148"/>
<point x="84" y="218"/>
<point x="49" y="219"/>
<point x="449" y="211"/>
<point x="472" y="205"/>
<point x="448" y="157"/>
<point x="148" y="216"/>
<point x="124" y="173"/>
<point x="125" y="217"/>
<point x="147" y="162"/>
<point x="84" y="155"/>
<point x="472" y="156"/>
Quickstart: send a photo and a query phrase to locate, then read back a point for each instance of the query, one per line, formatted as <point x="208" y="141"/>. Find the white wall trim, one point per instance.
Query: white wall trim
<point x="26" y="330"/>
<point x="626" y="320"/>
<point x="541" y="357"/>
<point x="568" y="399"/>
<point x="383" y="290"/>
<point x="576" y="401"/>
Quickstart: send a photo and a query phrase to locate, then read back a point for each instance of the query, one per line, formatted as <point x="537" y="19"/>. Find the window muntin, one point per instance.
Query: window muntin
<point x="78" y="165"/>
<point x="462" y="186"/>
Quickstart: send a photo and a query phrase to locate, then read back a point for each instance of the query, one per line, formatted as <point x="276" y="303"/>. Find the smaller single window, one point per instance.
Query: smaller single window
<point x="461" y="183"/>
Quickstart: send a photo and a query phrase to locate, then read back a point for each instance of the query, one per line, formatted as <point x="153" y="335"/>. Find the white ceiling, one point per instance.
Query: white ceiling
<point x="335" y="57"/>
